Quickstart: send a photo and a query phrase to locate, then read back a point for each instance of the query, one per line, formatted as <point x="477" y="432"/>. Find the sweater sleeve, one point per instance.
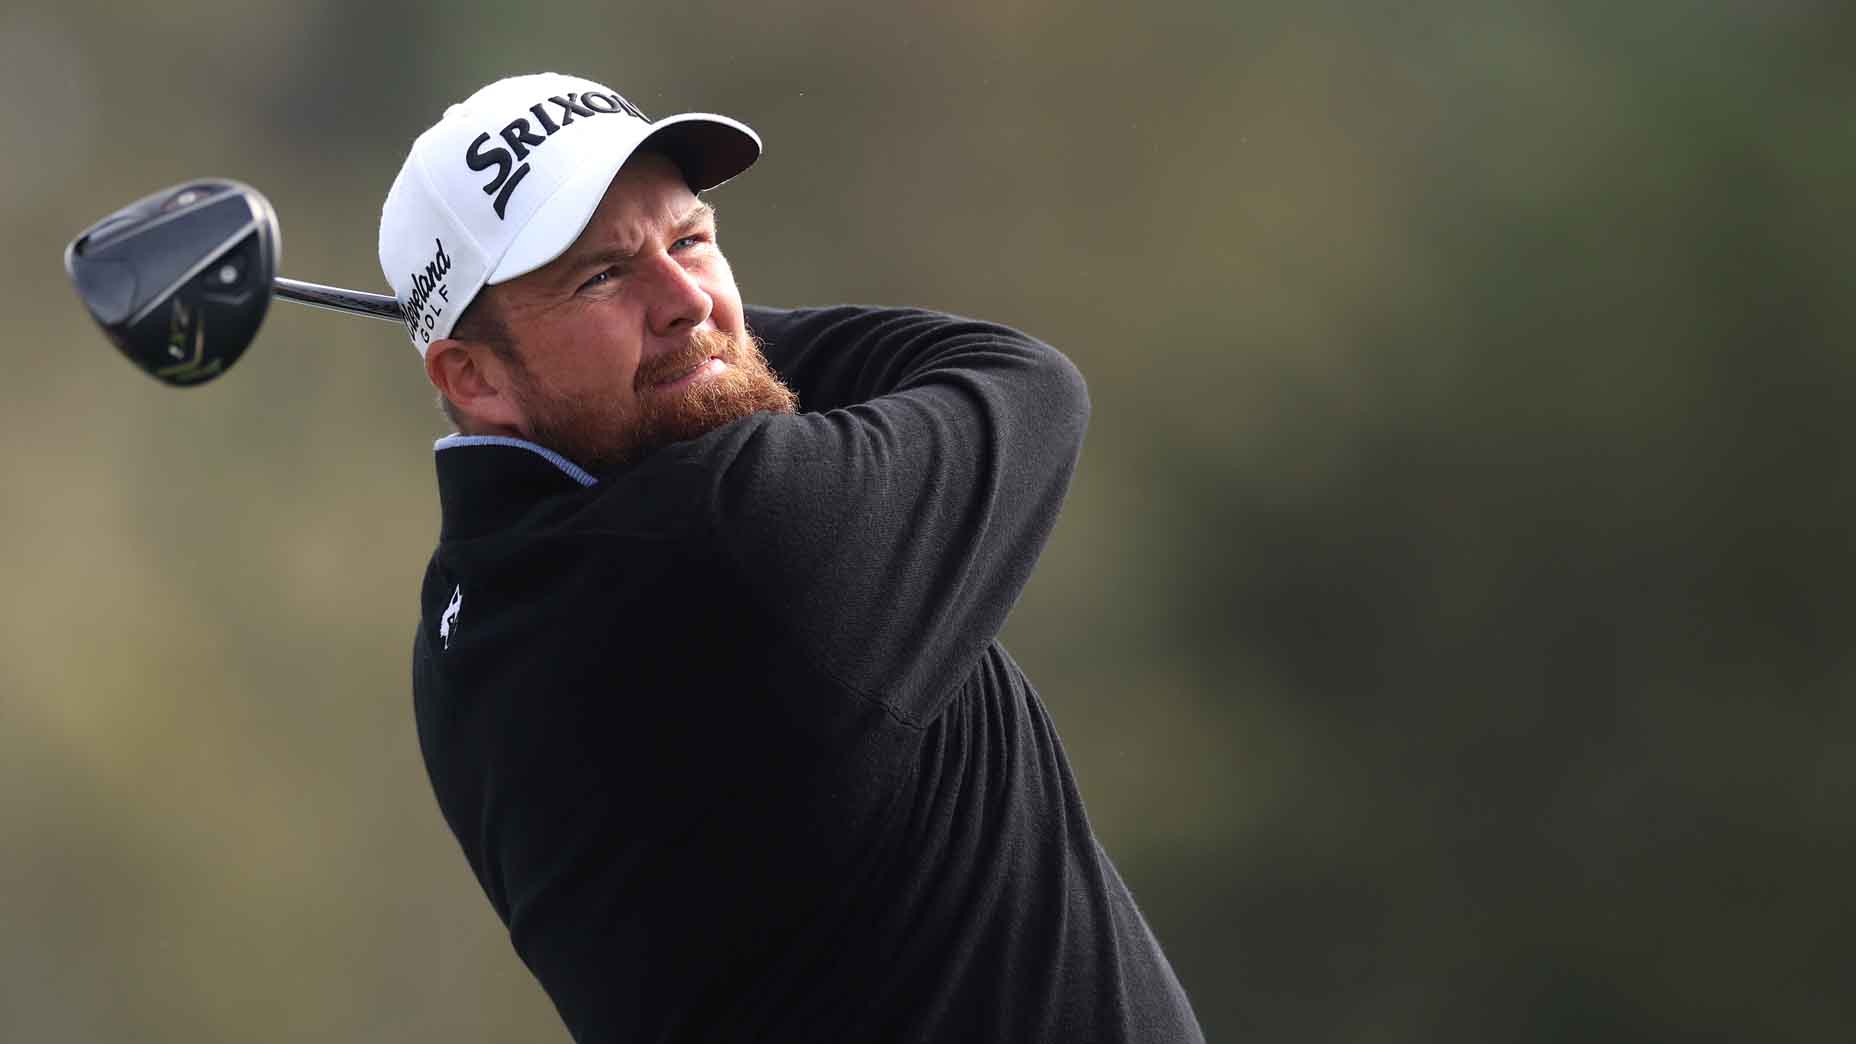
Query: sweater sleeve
<point x="889" y="528"/>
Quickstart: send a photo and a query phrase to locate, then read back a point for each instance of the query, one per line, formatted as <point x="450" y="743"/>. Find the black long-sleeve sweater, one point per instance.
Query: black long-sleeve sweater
<point x="727" y="735"/>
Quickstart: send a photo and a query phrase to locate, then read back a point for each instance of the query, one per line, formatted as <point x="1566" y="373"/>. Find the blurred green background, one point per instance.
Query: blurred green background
<point x="1447" y="625"/>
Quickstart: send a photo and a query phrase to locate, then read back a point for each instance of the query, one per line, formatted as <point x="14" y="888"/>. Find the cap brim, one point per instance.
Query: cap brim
<point x="707" y="148"/>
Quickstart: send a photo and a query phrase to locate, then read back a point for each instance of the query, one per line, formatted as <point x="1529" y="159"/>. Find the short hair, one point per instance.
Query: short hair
<point x="482" y="323"/>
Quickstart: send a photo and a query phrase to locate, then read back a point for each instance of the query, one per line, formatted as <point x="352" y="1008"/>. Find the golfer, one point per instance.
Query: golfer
<point x="707" y="679"/>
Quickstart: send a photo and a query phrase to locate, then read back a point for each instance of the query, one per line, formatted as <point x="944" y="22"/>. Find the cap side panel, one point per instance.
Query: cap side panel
<point x="444" y="204"/>
<point x="451" y="291"/>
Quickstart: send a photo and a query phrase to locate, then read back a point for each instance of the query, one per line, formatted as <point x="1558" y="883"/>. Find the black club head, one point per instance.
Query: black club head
<point x="180" y="280"/>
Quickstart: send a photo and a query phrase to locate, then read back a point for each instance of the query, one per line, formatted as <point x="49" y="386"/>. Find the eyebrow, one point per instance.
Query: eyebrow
<point x="603" y="256"/>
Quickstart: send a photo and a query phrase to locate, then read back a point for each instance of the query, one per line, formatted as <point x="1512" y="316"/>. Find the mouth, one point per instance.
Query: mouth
<point x="701" y="371"/>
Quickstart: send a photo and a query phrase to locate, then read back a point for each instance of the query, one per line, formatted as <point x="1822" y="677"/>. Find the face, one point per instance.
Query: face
<point x="633" y="338"/>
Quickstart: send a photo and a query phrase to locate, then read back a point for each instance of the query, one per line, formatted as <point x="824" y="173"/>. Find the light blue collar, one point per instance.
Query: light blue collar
<point x="573" y="471"/>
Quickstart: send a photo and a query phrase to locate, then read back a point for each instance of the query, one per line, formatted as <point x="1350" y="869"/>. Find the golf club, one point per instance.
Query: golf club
<point x="180" y="280"/>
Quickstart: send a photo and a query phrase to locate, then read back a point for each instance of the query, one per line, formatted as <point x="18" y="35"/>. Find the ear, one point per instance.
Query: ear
<point x="477" y="382"/>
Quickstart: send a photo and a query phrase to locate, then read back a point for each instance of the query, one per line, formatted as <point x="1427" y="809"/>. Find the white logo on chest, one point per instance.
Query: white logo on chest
<point x="450" y="619"/>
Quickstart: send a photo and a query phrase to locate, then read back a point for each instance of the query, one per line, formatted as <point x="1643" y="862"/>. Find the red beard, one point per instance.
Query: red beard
<point x="602" y="435"/>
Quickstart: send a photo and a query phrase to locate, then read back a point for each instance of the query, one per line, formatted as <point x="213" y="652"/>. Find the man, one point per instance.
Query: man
<point x="708" y="687"/>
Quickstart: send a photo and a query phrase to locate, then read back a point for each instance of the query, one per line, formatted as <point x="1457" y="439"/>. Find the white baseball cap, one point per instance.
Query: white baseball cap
<point x="510" y="177"/>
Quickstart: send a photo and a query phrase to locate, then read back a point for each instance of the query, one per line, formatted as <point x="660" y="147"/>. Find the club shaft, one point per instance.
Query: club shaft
<point x="354" y="302"/>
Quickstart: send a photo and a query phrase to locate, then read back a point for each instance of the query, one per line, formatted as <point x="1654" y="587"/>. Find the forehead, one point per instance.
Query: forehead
<point x="648" y="192"/>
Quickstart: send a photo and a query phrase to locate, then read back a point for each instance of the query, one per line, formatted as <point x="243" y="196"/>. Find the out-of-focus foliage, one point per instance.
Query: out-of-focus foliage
<point x="1448" y="624"/>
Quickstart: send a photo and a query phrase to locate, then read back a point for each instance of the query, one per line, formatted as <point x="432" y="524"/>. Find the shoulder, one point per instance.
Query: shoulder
<point x="764" y="319"/>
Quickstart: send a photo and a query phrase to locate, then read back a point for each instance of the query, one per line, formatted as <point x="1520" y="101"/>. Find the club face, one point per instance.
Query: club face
<point x="180" y="280"/>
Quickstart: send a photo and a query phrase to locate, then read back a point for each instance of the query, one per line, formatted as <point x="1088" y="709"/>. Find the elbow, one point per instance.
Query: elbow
<point x="1067" y="395"/>
<point x="1075" y="393"/>
<point x="1051" y="391"/>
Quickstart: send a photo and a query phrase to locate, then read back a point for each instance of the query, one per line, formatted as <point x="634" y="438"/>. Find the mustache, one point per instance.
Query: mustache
<point x="702" y="346"/>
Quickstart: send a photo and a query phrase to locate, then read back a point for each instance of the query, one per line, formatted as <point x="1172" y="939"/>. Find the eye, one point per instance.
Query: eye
<point x="600" y="278"/>
<point x="693" y="239"/>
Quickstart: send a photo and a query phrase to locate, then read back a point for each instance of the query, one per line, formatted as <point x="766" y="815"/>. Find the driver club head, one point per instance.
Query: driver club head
<point x="180" y="280"/>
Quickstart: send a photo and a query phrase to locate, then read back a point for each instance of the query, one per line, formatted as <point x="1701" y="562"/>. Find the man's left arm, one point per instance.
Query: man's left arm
<point x="890" y="528"/>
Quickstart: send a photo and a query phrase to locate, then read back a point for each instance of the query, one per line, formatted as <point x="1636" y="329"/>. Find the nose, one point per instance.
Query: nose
<point x="678" y="302"/>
